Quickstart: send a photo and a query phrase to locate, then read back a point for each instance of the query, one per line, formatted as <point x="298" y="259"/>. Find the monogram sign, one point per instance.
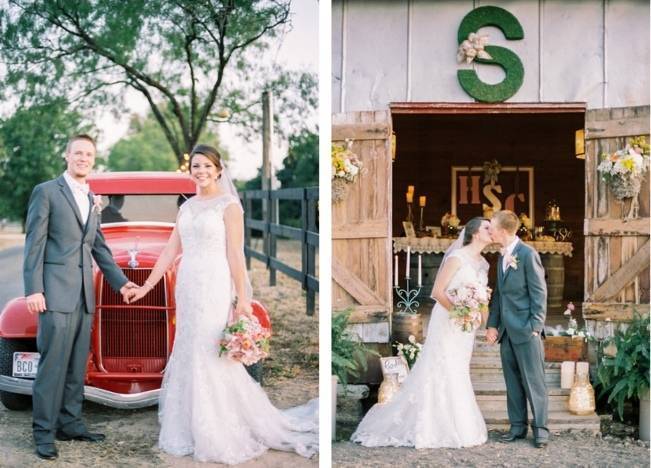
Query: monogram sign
<point x="473" y="193"/>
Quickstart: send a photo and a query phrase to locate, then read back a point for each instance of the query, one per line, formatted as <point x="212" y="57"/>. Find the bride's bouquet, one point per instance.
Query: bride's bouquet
<point x="469" y="304"/>
<point x="245" y="341"/>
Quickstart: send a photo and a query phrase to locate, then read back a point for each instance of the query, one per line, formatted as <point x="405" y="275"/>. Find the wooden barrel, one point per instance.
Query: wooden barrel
<point x="555" y="278"/>
<point x="429" y="268"/>
<point x="404" y="325"/>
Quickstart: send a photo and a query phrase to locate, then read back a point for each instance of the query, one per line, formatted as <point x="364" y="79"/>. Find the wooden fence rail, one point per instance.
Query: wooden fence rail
<point x="271" y="229"/>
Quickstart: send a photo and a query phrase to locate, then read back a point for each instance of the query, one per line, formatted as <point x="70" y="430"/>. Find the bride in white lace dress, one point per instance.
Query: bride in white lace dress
<point x="435" y="406"/>
<point x="209" y="405"/>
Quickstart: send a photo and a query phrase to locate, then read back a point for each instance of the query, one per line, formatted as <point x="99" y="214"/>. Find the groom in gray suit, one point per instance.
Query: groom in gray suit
<point x="516" y="320"/>
<point x="62" y="238"/>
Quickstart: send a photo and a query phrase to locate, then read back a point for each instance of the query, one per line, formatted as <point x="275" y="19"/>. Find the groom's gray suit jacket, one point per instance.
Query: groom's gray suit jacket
<point x="59" y="249"/>
<point x="519" y="301"/>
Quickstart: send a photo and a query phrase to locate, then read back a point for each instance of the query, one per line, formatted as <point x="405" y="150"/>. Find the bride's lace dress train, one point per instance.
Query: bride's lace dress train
<point x="209" y="405"/>
<point x="436" y="405"/>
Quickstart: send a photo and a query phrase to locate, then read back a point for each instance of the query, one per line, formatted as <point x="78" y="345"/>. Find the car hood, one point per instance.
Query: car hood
<point x="148" y="238"/>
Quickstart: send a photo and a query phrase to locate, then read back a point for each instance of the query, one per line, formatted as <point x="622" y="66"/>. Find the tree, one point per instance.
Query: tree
<point x="145" y="149"/>
<point x="300" y="169"/>
<point x="174" y="52"/>
<point x="301" y="165"/>
<point x="33" y="144"/>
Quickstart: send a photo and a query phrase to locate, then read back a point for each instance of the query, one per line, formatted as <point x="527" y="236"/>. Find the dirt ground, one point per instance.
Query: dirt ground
<point x="291" y="378"/>
<point x="567" y="449"/>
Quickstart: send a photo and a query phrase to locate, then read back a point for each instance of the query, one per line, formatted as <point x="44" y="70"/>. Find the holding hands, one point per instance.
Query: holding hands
<point x="491" y="335"/>
<point x="125" y="290"/>
<point x="138" y="292"/>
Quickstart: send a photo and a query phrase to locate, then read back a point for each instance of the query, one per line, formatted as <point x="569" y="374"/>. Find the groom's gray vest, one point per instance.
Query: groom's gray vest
<point x="519" y="302"/>
<point x="59" y="249"/>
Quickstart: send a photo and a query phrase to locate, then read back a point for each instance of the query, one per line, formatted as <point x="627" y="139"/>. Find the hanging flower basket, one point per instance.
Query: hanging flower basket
<point x="623" y="171"/>
<point x="346" y="166"/>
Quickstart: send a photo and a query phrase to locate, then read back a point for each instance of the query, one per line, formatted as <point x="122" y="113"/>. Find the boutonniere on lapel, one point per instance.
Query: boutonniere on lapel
<point x="97" y="204"/>
<point x="512" y="261"/>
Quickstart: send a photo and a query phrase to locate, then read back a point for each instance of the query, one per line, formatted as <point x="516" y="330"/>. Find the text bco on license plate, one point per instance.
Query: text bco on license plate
<point x="25" y="364"/>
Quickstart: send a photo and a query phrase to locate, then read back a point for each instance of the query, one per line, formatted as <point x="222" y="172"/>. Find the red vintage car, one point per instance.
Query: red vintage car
<point x="130" y="343"/>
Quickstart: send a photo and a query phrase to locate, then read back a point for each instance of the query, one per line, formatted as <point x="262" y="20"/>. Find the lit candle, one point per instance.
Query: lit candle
<point x="410" y="189"/>
<point x="567" y="374"/>
<point x="408" y="260"/>
<point x="395" y="275"/>
<point x="410" y="197"/>
<point x="420" y="279"/>
<point x="421" y="201"/>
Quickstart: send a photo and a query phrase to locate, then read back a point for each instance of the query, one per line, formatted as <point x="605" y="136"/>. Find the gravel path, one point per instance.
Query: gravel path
<point x="566" y="449"/>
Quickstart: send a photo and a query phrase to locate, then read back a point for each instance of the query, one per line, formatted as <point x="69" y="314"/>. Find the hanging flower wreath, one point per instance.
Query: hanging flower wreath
<point x="346" y="166"/>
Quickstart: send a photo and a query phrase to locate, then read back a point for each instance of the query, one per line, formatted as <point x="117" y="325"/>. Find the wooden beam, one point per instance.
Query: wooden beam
<point x="369" y="314"/>
<point x="616" y="227"/>
<point x="360" y="131"/>
<point x="366" y="230"/>
<point x="616" y="312"/>
<point x="629" y="126"/>
<point x="483" y="108"/>
<point x="624" y="275"/>
<point x="353" y="285"/>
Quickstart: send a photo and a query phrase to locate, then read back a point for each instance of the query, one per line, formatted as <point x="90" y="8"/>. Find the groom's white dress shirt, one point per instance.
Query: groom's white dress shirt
<point x="508" y="250"/>
<point x="80" y="192"/>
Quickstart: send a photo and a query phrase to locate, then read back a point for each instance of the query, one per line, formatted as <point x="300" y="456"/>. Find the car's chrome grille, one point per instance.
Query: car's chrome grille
<point x="134" y="337"/>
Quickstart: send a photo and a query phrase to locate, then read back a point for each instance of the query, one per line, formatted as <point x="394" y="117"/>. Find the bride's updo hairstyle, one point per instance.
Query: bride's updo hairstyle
<point x="472" y="227"/>
<point x="209" y="152"/>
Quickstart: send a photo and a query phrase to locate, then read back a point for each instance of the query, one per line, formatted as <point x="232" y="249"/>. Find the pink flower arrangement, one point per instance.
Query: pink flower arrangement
<point x="469" y="303"/>
<point x="245" y="341"/>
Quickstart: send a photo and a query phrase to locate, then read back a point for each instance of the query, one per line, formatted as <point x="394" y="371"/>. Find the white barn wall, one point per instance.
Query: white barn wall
<point x="406" y="51"/>
<point x="627" y="50"/>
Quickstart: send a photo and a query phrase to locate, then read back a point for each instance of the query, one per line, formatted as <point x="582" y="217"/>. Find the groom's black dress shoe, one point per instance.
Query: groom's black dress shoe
<point x="85" y="437"/>
<point x="511" y="436"/>
<point x="47" y="451"/>
<point x="540" y="443"/>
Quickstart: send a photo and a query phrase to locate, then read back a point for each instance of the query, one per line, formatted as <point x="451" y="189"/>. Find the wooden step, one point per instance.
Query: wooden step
<point x="498" y="388"/>
<point x="498" y="402"/>
<point x="552" y="380"/>
<point x="483" y="362"/>
<point x="558" y="421"/>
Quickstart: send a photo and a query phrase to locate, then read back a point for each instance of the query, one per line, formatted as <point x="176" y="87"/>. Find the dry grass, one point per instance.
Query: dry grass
<point x="295" y="341"/>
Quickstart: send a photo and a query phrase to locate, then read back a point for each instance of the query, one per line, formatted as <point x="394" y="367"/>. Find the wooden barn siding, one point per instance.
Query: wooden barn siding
<point x="606" y="254"/>
<point x="366" y="206"/>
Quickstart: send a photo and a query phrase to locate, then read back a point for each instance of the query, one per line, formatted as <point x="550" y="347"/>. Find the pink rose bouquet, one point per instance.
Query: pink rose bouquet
<point x="245" y="341"/>
<point x="469" y="304"/>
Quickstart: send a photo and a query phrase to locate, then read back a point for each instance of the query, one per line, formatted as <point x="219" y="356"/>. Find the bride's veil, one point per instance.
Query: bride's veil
<point x="456" y="245"/>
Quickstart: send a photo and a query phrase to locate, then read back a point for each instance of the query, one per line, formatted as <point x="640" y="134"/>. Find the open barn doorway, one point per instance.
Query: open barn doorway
<point x="443" y="150"/>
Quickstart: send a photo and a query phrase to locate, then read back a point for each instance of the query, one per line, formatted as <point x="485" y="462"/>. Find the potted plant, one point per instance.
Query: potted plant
<point x="349" y="359"/>
<point x="625" y="376"/>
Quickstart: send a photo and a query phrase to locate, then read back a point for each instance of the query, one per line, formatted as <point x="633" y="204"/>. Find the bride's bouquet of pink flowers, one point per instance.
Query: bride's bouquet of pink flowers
<point x="469" y="304"/>
<point x="245" y="341"/>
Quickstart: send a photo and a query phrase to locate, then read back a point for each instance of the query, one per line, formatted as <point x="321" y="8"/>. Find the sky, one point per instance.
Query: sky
<point x="298" y="50"/>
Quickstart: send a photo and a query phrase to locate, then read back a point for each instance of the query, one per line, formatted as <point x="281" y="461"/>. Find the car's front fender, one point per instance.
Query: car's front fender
<point x="16" y="321"/>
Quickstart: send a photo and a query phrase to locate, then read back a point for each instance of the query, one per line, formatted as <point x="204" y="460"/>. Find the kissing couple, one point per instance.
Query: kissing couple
<point x="436" y="406"/>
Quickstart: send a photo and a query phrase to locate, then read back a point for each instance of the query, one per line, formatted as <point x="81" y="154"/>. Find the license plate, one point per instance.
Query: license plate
<point x="25" y="364"/>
